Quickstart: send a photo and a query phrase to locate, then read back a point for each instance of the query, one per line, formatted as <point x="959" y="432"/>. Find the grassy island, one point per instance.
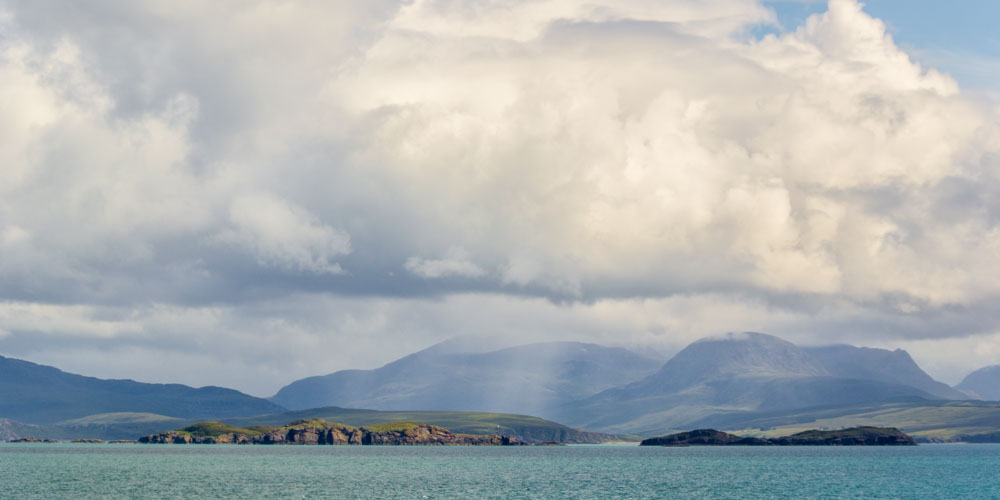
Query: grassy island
<point x="323" y="432"/>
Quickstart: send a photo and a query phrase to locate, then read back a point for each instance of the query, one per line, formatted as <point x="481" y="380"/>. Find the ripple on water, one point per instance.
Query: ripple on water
<point x="175" y="471"/>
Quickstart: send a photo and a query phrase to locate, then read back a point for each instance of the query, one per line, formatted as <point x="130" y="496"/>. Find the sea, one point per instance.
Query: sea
<point x="82" y="471"/>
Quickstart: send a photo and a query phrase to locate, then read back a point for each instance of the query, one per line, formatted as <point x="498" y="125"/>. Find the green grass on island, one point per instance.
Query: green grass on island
<point x="216" y="429"/>
<point x="394" y="426"/>
<point x="524" y="427"/>
<point x="929" y="421"/>
<point x="120" y="418"/>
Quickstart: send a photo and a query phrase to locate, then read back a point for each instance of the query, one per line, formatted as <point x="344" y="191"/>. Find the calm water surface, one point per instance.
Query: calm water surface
<point x="177" y="471"/>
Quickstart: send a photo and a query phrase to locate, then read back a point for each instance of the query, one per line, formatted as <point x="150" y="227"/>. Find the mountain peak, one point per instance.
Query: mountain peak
<point x="737" y="354"/>
<point x="454" y="375"/>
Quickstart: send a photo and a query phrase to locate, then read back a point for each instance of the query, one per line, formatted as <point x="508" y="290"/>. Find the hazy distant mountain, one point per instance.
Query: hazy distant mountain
<point x="983" y="383"/>
<point x="529" y="379"/>
<point x="41" y="394"/>
<point x="11" y="429"/>
<point x="895" y="367"/>
<point x="735" y="374"/>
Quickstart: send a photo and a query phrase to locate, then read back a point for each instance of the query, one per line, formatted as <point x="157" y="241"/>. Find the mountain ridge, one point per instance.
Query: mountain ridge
<point x="730" y="375"/>
<point x="527" y="379"/>
<point x="883" y="365"/>
<point x="41" y="394"/>
<point x="714" y="381"/>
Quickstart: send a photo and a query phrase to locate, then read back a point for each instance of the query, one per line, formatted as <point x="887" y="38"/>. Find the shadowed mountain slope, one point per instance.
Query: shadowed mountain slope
<point x="41" y="394"/>
<point x="882" y="365"/>
<point x="983" y="384"/>
<point x="530" y="379"/>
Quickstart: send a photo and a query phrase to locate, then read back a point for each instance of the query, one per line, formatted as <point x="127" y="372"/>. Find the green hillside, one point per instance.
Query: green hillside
<point x="933" y="421"/>
<point x="120" y="418"/>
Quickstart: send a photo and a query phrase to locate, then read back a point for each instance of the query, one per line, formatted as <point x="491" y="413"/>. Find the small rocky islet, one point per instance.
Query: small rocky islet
<point x="322" y="432"/>
<point x="858" y="436"/>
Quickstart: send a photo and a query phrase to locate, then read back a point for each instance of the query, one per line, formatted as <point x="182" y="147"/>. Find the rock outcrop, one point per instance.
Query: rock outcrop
<point x="32" y="440"/>
<point x="321" y="432"/>
<point x="704" y="437"/>
<point x="859" y="436"/>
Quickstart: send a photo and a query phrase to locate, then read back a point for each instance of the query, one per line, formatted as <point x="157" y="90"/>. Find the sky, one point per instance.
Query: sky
<point x="244" y="193"/>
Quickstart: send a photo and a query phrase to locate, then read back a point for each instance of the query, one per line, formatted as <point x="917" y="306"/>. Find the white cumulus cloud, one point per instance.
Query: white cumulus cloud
<point x="284" y="235"/>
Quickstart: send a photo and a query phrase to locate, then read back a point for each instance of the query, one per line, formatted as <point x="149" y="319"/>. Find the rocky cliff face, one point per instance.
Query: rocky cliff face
<point x="320" y="432"/>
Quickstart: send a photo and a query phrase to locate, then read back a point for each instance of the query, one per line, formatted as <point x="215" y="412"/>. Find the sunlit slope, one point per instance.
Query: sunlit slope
<point x="107" y="426"/>
<point x="931" y="421"/>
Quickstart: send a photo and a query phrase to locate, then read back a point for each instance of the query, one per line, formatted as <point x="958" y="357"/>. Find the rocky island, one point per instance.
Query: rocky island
<point x="322" y="432"/>
<point x="858" y="436"/>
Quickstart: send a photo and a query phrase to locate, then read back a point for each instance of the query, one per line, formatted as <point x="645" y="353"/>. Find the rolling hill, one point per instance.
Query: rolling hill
<point x="927" y="421"/>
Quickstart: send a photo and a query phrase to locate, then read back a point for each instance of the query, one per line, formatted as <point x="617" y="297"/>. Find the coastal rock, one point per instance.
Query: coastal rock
<point x="704" y="437"/>
<point x="32" y="440"/>
<point x="170" y="437"/>
<point x="321" y="432"/>
<point x="859" y="436"/>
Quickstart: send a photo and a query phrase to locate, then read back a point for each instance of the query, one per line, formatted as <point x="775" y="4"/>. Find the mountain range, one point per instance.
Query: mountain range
<point x="532" y="379"/>
<point x="736" y="381"/>
<point x="722" y="380"/>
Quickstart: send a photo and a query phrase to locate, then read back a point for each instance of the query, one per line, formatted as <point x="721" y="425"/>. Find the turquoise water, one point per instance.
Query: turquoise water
<point x="178" y="471"/>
